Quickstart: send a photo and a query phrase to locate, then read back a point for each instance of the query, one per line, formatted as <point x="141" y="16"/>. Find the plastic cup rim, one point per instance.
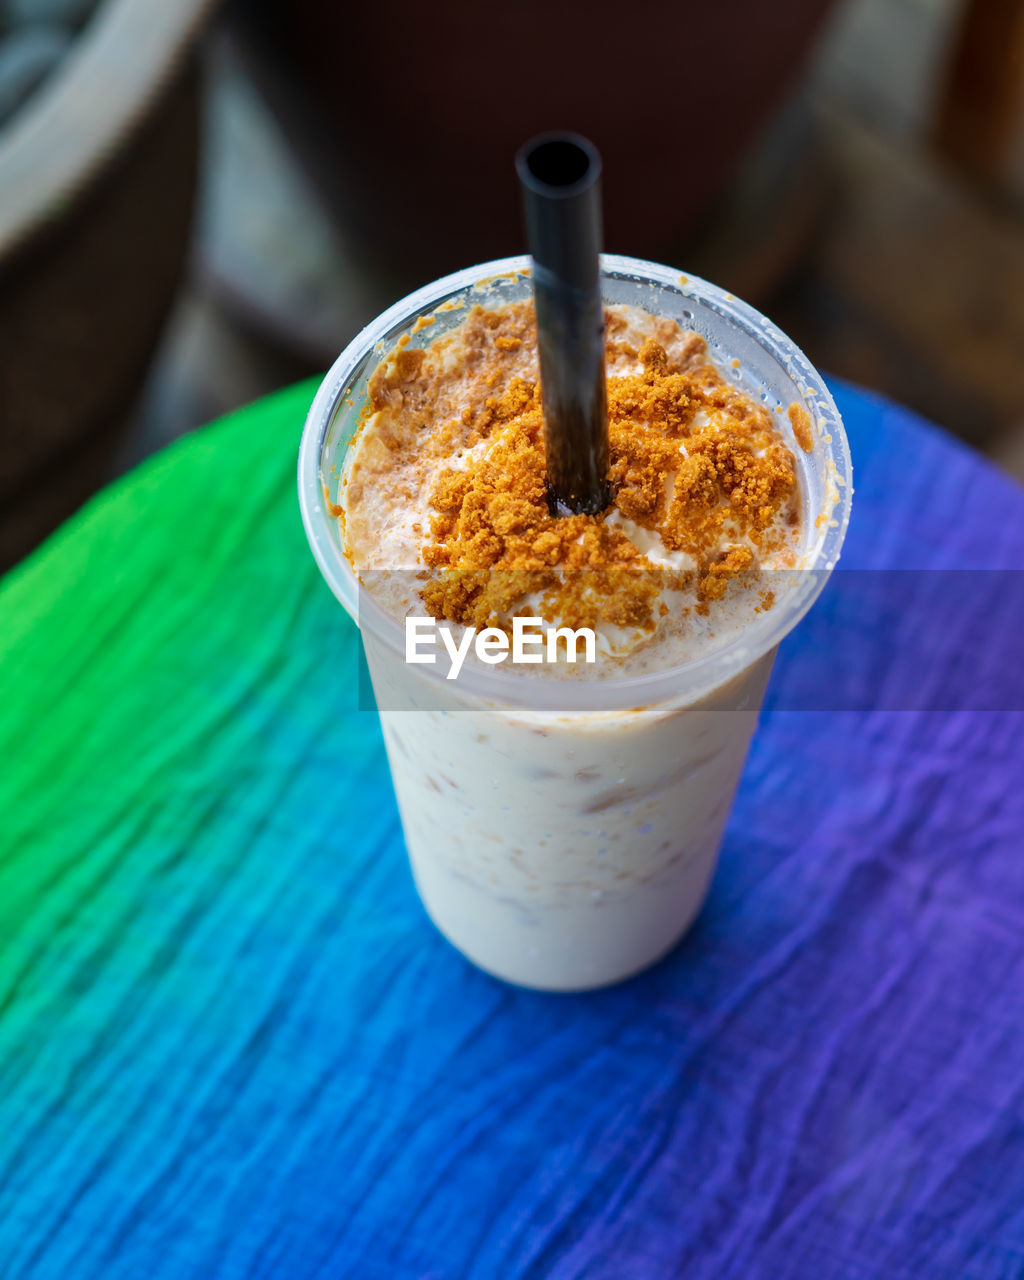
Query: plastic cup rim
<point x="683" y="682"/>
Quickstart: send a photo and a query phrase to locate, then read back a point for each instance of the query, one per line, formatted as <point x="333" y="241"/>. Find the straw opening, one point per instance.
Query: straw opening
<point x="559" y="163"/>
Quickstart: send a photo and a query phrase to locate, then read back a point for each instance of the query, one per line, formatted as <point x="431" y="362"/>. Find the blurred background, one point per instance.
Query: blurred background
<point x="200" y="203"/>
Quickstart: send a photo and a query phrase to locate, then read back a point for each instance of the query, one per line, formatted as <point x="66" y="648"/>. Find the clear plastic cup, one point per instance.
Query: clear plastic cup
<point x="563" y="833"/>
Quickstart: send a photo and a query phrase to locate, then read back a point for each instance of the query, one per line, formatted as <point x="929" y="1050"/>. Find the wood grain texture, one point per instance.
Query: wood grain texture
<point x="231" y="1045"/>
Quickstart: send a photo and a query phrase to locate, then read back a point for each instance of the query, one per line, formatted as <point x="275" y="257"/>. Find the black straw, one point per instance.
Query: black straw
<point x="560" y="176"/>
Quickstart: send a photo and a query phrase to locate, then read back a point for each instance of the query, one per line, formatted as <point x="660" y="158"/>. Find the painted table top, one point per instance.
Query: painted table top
<point x="231" y="1044"/>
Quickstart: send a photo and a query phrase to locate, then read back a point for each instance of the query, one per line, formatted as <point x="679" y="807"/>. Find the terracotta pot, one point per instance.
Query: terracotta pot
<point x="98" y="172"/>
<point x="422" y="107"/>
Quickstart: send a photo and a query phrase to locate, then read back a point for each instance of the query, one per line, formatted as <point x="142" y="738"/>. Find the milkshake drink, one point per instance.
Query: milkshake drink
<point x="563" y="818"/>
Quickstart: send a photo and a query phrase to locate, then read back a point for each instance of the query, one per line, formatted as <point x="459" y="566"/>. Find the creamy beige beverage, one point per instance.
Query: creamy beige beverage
<point x="564" y="851"/>
<point x="567" y="850"/>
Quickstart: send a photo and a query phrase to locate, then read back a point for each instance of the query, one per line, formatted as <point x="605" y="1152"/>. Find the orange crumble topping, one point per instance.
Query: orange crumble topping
<point x="693" y="460"/>
<point x="800" y="420"/>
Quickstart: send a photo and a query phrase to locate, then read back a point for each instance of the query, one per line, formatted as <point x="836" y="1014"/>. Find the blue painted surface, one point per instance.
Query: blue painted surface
<point x="232" y="1045"/>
